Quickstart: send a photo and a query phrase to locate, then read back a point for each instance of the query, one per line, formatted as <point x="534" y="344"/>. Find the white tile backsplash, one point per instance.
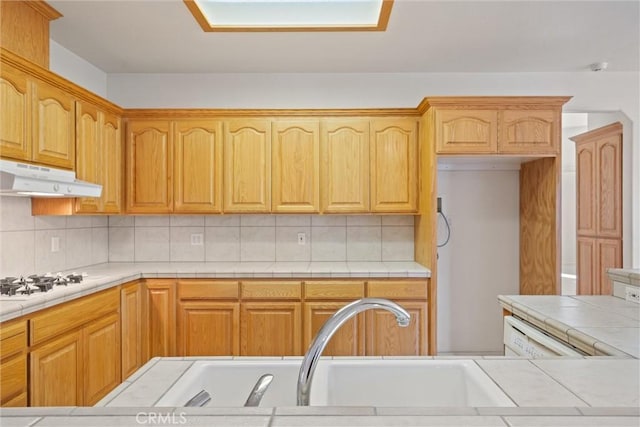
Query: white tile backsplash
<point x="46" y="260"/>
<point x="328" y="243"/>
<point x="287" y="247"/>
<point x="99" y="245"/>
<point x="50" y="222"/>
<point x="397" y="243"/>
<point x="15" y="214"/>
<point x="222" y="244"/>
<point x="181" y="247"/>
<point x="328" y="220"/>
<point x="121" y="244"/>
<point x="79" y="247"/>
<point x="257" y="220"/>
<point x="222" y="220"/>
<point x="17" y="253"/>
<point x="364" y="243"/>
<point x="257" y="243"/>
<point x="187" y="221"/>
<point x="364" y="220"/>
<point x="293" y="220"/>
<point x="79" y="221"/>
<point x="152" y="243"/>
<point x="152" y="221"/>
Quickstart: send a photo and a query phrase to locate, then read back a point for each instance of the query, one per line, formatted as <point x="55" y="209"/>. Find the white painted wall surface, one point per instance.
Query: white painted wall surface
<point x="72" y="67"/>
<point x="481" y="259"/>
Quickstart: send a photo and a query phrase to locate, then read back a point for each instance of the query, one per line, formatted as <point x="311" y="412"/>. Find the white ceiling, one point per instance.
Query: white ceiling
<point x="161" y="36"/>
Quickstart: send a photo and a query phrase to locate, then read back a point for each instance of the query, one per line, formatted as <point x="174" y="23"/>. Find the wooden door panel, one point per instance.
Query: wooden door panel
<point x="609" y="255"/>
<point x="54" y="127"/>
<point x="161" y="306"/>
<point x="385" y="338"/>
<point x="270" y="329"/>
<point x="15" y="123"/>
<point x="296" y="166"/>
<point x="345" y="178"/>
<point x="609" y="187"/>
<point x="13" y="378"/>
<point x="466" y="131"/>
<point x="586" y="266"/>
<point x="247" y="166"/>
<point x="112" y="158"/>
<point x="586" y="178"/>
<point x="346" y="341"/>
<point x="198" y="166"/>
<point x="207" y="328"/>
<point x="88" y="154"/>
<point x="529" y="131"/>
<point x="131" y="329"/>
<point x="102" y="358"/>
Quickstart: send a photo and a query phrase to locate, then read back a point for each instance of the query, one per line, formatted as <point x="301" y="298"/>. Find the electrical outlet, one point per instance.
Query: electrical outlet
<point x="302" y="239"/>
<point x="55" y="244"/>
<point x="631" y="293"/>
<point x="197" y="239"/>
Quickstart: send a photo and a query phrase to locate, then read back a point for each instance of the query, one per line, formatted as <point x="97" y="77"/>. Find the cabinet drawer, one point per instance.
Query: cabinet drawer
<point x="13" y="377"/>
<point x="271" y="290"/>
<point x="13" y="338"/>
<point x="205" y="289"/>
<point x="333" y="290"/>
<point x="73" y="314"/>
<point x="398" y="289"/>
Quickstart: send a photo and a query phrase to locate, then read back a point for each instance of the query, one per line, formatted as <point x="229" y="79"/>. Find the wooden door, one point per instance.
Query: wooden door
<point x="198" y="166"/>
<point x="394" y="165"/>
<point x="529" y="132"/>
<point x="295" y="166"/>
<point x="346" y="341"/>
<point x="385" y="338"/>
<point x="161" y="318"/>
<point x="609" y="186"/>
<point x="112" y="163"/>
<point x="15" y="120"/>
<point x="466" y="131"/>
<point x="586" y="264"/>
<point x="54" y="127"/>
<point x="208" y="328"/>
<point x="149" y="168"/>
<point x="586" y="178"/>
<point x="13" y="366"/>
<point x="609" y="255"/>
<point x="270" y="328"/>
<point x="344" y="147"/>
<point x="88" y="154"/>
<point x="131" y="328"/>
<point x="101" y="358"/>
<point x="56" y="371"/>
<point x="247" y="166"/>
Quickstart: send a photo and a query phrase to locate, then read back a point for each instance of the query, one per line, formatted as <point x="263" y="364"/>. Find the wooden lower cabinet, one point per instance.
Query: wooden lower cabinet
<point x="346" y="341"/>
<point x="270" y="329"/>
<point x="385" y="338"/>
<point x="160" y="331"/>
<point x="594" y="257"/>
<point x="56" y="372"/>
<point x="131" y="327"/>
<point x="101" y="340"/>
<point x="13" y="367"/>
<point x="208" y="328"/>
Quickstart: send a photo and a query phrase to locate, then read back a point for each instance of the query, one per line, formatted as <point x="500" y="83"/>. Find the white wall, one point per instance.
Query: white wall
<point x="592" y="92"/>
<point x="70" y="66"/>
<point x="481" y="259"/>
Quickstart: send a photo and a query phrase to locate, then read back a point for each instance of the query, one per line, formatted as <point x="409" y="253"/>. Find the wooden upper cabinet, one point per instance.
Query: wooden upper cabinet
<point x="198" y="166"/>
<point x="247" y="166"/>
<point x="344" y="148"/>
<point x="88" y="154"/>
<point x="394" y="165"/>
<point x="586" y="176"/>
<point x="53" y="127"/>
<point x="295" y="166"/>
<point x="15" y="120"/>
<point x="529" y="131"/>
<point x="112" y="164"/>
<point x="466" y="131"/>
<point x="609" y="186"/>
<point x="149" y="157"/>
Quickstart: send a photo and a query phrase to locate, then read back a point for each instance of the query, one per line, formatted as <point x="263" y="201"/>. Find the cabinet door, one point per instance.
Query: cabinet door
<point x="609" y="255"/>
<point x="198" y="166"/>
<point x="149" y="165"/>
<point x="247" y="166"/>
<point x="56" y="372"/>
<point x="15" y="120"/>
<point x="161" y="318"/>
<point x="609" y="187"/>
<point x="344" y="146"/>
<point x="208" y="328"/>
<point x="13" y="379"/>
<point x="101" y="358"/>
<point x="586" y="178"/>
<point x="296" y="166"/>
<point x="270" y="329"/>
<point x="54" y="127"/>
<point x="586" y="266"/>
<point x="348" y="340"/>
<point x="466" y="131"/>
<point x="394" y="165"/>
<point x="88" y="154"/>
<point x="131" y="328"/>
<point x="529" y="132"/>
<point x="112" y="164"/>
<point x="386" y="338"/>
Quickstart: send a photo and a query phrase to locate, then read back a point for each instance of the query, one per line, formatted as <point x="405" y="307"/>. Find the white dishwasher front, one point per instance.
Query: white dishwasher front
<point x="523" y="339"/>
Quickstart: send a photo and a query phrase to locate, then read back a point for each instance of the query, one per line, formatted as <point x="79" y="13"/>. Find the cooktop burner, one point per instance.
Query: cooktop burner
<point x="12" y="286"/>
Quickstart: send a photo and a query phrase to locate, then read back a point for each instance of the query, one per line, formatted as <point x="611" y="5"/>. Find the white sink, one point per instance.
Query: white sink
<point x="343" y="382"/>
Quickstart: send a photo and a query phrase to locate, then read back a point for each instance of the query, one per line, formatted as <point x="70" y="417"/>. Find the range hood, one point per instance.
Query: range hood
<point x="22" y="179"/>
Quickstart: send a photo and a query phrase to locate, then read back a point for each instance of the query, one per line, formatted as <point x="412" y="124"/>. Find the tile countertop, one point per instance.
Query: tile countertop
<point x="590" y="391"/>
<point x="104" y="276"/>
<point x="596" y="324"/>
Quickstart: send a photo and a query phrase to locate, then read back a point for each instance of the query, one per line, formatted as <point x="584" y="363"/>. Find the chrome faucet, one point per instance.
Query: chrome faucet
<point x="258" y="390"/>
<point x="305" y="377"/>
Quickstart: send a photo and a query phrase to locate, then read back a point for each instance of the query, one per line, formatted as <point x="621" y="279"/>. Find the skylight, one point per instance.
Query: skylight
<point x="291" y="15"/>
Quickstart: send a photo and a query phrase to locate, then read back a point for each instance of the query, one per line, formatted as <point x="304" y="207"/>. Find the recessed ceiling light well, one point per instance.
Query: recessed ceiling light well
<point x="291" y="15"/>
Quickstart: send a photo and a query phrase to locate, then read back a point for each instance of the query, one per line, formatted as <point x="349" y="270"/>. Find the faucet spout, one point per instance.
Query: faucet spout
<point x="311" y="358"/>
